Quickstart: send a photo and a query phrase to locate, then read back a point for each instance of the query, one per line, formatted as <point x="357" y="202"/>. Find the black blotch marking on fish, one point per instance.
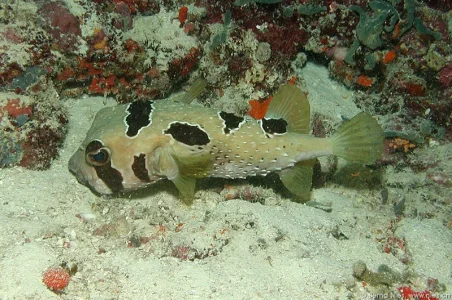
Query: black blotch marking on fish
<point x="138" y="117"/>
<point x="188" y="134"/>
<point x="274" y="126"/>
<point x="109" y="175"/>
<point x="139" y="168"/>
<point x="231" y="122"/>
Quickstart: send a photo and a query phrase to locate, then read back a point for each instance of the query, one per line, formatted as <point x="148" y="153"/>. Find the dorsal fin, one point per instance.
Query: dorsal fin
<point x="291" y="104"/>
<point x="195" y="90"/>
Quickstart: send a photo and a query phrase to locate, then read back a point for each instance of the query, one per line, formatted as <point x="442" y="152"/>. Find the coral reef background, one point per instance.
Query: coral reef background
<point x="395" y="54"/>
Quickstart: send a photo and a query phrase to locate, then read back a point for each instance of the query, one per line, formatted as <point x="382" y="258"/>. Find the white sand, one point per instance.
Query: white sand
<point x="236" y="249"/>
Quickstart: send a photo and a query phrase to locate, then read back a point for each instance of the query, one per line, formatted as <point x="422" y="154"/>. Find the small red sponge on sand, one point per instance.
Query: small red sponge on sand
<point x="56" y="278"/>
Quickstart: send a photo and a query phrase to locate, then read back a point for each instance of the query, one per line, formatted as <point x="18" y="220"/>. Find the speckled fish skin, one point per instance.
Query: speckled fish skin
<point x="133" y="145"/>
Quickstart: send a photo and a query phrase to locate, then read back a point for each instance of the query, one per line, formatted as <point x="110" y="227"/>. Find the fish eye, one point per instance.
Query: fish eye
<point x="96" y="154"/>
<point x="99" y="157"/>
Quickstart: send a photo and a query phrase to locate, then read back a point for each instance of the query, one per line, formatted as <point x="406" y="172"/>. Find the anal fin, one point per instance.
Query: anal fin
<point x="298" y="179"/>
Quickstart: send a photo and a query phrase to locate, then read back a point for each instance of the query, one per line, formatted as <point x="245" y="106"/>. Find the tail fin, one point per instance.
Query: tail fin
<point x="359" y="140"/>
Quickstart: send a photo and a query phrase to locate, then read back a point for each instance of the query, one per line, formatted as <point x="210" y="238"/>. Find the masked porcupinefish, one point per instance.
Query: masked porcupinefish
<point x="130" y="146"/>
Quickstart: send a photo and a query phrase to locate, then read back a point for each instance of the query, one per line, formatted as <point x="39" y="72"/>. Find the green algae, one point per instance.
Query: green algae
<point x="372" y="24"/>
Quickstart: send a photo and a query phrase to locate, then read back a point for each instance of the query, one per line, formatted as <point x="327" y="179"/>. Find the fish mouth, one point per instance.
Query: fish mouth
<point x="76" y="165"/>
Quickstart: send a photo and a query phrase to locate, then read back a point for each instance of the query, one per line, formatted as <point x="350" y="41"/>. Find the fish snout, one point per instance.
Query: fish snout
<point x="87" y="174"/>
<point x="74" y="165"/>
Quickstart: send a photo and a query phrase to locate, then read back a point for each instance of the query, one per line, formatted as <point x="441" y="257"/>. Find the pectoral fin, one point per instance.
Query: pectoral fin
<point x="298" y="179"/>
<point x="186" y="187"/>
<point x="190" y="168"/>
<point x="182" y="172"/>
<point x="164" y="164"/>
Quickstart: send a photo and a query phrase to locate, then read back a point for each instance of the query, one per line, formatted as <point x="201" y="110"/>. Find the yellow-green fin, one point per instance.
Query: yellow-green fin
<point x="186" y="187"/>
<point x="164" y="163"/>
<point x="195" y="90"/>
<point x="195" y="166"/>
<point x="291" y="104"/>
<point x="359" y="140"/>
<point x="298" y="179"/>
<point x="190" y="168"/>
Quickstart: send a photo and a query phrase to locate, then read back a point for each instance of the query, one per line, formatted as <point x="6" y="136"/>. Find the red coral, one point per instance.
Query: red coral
<point x="414" y="89"/>
<point x="442" y="5"/>
<point x="285" y="40"/>
<point x="89" y="67"/>
<point x="12" y="71"/>
<point x="238" y="63"/>
<point x="132" y="46"/>
<point x="12" y="36"/>
<point x="139" y="5"/>
<point x="365" y="81"/>
<point x="63" y="26"/>
<point x="101" y="85"/>
<point x="283" y="34"/>
<point x="42" y="143"/>
<point x="183" y="13"/>
<point x="445" y="75"/>
<point x="66" y="74"/>
<point x="181" y="251"/>
<point x="259" y="108"/>
<point x="14" y="108"/>
<point x="180" y="68"/>
<point x="189" y="28"/>
<point x="394" y="244"/>
<point x="389" y="57"/>
<point x="125" y="21"/>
